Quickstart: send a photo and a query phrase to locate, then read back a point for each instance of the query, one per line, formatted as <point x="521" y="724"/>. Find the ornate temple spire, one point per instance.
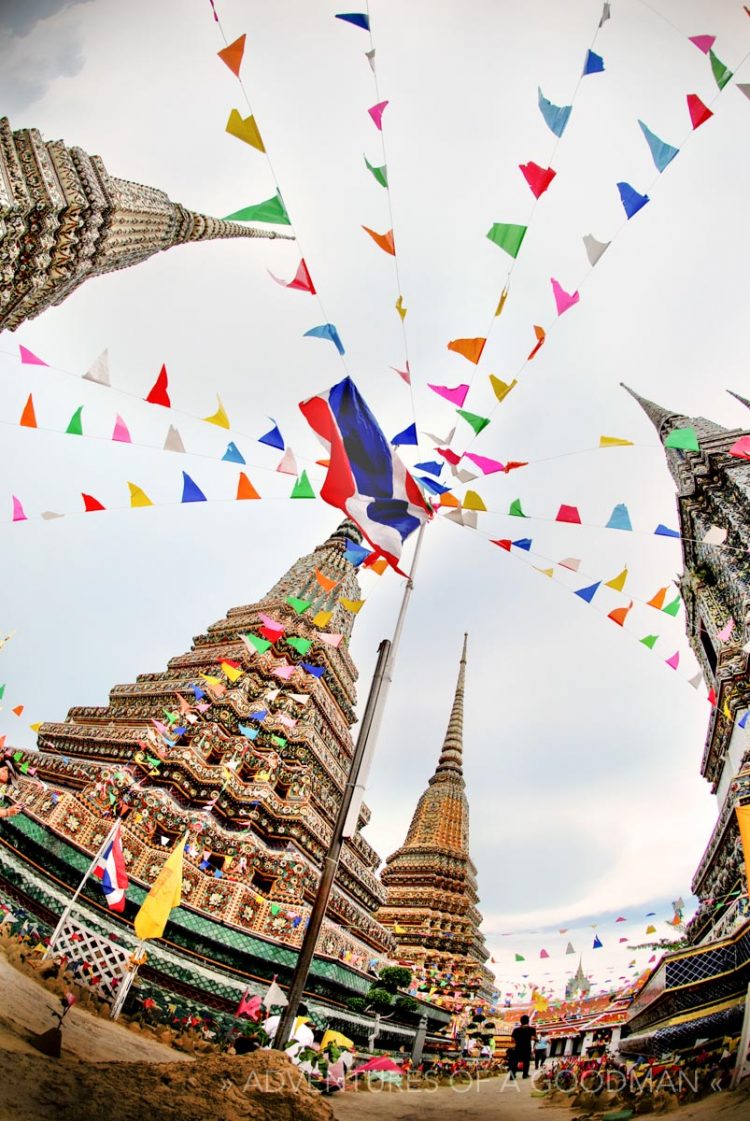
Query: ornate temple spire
<point x="451" y="756"/>
<point x="65" y="219"/>
<point x="655" y="413"/>
<point x="743" y="400"/>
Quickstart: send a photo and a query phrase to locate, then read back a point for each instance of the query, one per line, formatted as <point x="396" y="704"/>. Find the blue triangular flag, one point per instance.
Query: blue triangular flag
<point x="191" y="492"/>
<point x="259" y="716"/>
<point x="665" y="531"/>
<point x="598" y="944"/>
<point x="250" y="733"/>
<point x="743" y="720"/>
<point x="631" y="200"/>
<point x="594" y="63"/>
<point x="661" y="152"/>
<point x="326" y="331"/>
<point x="431" y="466"/>
<point x="316" y="671"/>
<point x="431" y="485"/>
<point x="359" y="19"/>
<point x="619" y="518"/>
<point x="355" y="553"/>
<point x="199" y="693"/>
<point x="233" y="453"/>
<point x="273" y="439"/>
<point x="555" y="116"/>
<point x="589" y="593"/>
<point x="522" y="543"/>
<point x="408" y="436"/>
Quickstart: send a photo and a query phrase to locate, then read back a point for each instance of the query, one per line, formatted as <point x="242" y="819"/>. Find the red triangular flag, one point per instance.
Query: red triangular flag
<point x="28" y="416"/>
<point x="91" y="504"/>
<point x="301" y="280"/>
<point x="538" y="178"/>
<point x="158" y="394"/>
<point x="232" y="55"/>
<point x="503" y="543"/>
<point x="568" y="514"/>
<point x="699" y="113"/>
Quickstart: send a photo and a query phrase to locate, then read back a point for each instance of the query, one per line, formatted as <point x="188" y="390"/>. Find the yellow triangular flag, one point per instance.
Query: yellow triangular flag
<point x="138" y="497"/>
<point x="400" y="308"/>
<point x="614" y="442"/>
<point x="210" y="680"/>
<point x="245" y="129"/>
<point x="500" y="388"/>
<point x="726" y="711"/>
<point x="165" y="894"/>
<point x="353" y="605"/>
<point x="232" y="673"/>
<point x="546" y="571"/>
<point x="398" y="929"/>
<point x="743" y="820"/>
<point x="220" y="416"/>
<point x="501" y="301"/>
<point x="36" y="727"/>
<point x="618" y="582"/>
<point x="322" y="619"/>
<point x="472" y="501"/>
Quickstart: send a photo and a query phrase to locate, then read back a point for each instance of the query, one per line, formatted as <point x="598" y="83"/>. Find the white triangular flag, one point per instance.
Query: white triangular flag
<point x="471" y="518"/>
<point x="173" y="442"/>
<point x="288" y="465"/>
<point x="441" y="441"/>
<point x="696" y="679"/>
<point x="572" y="563"/>
<point x="594" y="248"/>
<point x="455" y="516"/>
<point x="98" y="371"/>
<point x="715" y="536"/>
<point x="275" y="996"/>
<point x="370" y="56"/>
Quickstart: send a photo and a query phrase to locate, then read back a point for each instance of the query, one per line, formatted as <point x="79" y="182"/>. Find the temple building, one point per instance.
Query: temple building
<point x="65" y="219"/>
<point x="700" y="991"/>
<point x="579" y="985"/>
<point x="431" y="883"/>
<point x="244" y="742"/>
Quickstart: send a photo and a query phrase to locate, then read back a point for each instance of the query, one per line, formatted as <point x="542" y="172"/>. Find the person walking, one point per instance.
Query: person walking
<point x="541" y="1048"/>
<point x="522" y="1037"/>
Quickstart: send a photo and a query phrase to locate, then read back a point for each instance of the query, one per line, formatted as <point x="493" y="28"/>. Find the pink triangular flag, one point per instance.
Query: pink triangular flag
<point x="284" y="672"/>
<point x="563" y="299"/>
<point x="674" y="661"/>
<point x="121" y="431"/>
<point x="377" y="114"/>
<point x="19" y="514"/>
<point x="288" y="465"/>
<point x="486" y="465"/>
<point x="741" y="448"/>
<point x="703" y="42"/>
<point x="405" y="375"/>
<point x="572" y="563"/>
<point x="330" y="639"/>
<point x="272" y="624"/>
<point x="456" y="396"/>
<point x="301" y="280"/>
<point x="28" y="358"/>
<point x="726" y="631"/>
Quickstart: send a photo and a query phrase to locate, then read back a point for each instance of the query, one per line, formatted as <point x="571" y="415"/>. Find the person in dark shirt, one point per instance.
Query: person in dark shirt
<point x="522" y="1037"/>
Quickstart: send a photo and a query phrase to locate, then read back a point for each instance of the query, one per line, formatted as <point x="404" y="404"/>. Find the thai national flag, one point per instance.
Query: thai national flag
<point x="110" y="869"/>
<point x="365" y="479"/>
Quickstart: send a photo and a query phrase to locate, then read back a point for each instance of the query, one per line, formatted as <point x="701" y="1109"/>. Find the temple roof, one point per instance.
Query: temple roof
<point x="742" y="400"/>
<point x="451" y="757"/>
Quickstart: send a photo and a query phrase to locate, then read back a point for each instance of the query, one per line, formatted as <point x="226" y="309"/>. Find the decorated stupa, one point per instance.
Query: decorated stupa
<point x="431" y="883"/>
<point x="65" y="219"/>
<point x="245" y="743"/>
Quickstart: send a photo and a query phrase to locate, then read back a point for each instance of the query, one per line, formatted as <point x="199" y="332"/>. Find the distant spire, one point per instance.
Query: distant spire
<point x="743" y="400"/>
<point x="655" y="413"/>
<point x="451" y="757"/>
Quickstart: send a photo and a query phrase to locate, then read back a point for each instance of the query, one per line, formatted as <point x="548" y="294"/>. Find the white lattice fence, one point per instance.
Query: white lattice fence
<point x="104" y="964"/>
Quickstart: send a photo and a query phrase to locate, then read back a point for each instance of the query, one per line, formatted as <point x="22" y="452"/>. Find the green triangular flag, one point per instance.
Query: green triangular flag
<point x="2" y="692"/>
<point x="379" y="173"/>
<point x="301" y="645"/>
<point x="476" y="422"/>
<point x="520" y="957"/>
<point x="278" y="741"/>
<point x="684" y="439"/>
<point x="75" y="427"/>
<point x="260" y="644"/>
<point x="673" y="607"/>
<point x="650" y="640"/>
<point x="302" y="488"/>
<point x="721" y="73"/>
<point x="272" y="211"/>
<point x="508" y="236"/>
<point x="515" y="509"/>
<point x="299" y="605"/>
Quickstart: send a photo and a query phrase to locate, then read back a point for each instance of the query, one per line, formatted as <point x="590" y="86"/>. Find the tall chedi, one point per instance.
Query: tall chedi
<point x="431" y="882"/>
<point x="65" y="219"/>
<point x="710" y="465"/>
<point x="245" y="742"/>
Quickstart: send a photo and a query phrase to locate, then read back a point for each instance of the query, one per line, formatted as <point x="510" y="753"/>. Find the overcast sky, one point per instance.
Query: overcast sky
<point x="581" y="747"/>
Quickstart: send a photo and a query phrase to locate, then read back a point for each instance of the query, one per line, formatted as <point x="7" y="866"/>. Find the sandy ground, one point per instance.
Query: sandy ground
<point x="498" y="1099"/>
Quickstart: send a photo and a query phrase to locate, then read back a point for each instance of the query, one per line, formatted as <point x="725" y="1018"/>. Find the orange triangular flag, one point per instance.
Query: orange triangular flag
<point x="469" y="348"/>
<point x="619" y="614"/>
<point x="28" y="416"/>
<point x="385" y="241"/>
<point x="18" y="710"/>
<point x="658" y="600"/>
<point x="232" y="55"/>
<point x="245" y="488"/>
<point x="325" y="581"/>
<point x="449" y="499"/>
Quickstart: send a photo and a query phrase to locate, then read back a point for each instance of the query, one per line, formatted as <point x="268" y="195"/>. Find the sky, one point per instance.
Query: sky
<point x="582" y="748"/>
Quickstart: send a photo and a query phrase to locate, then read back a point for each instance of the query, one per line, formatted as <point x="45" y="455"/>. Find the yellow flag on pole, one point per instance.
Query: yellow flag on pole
<point x="165" y="894"/>
<point x="743" y="820"/>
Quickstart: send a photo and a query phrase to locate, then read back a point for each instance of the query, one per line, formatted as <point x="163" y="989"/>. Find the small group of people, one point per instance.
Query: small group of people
<point x="8" y="787"/>
<point x="521" y="1052"/>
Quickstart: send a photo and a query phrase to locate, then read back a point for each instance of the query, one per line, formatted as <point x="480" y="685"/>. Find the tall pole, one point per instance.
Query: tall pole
<point x="72" y="902"/>
<point x="348" y="812"/>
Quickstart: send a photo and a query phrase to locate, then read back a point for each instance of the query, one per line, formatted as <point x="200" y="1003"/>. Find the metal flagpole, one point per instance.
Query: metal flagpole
<point x="69" y="906"/>
<point x="348" y="813"/>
